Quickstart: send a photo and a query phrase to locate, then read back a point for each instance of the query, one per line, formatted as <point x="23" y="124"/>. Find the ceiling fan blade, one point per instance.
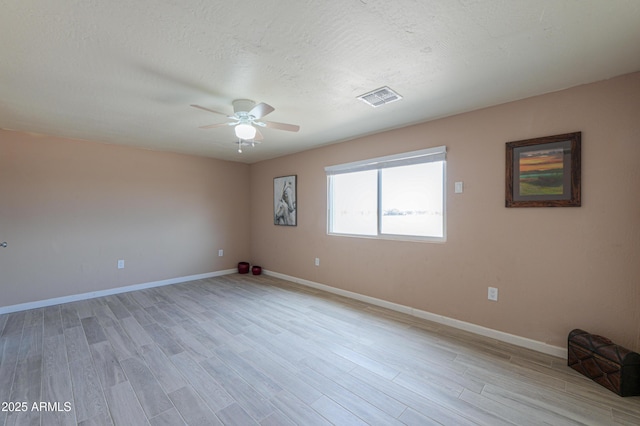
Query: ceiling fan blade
<point x="258" y="136"/>
<point x="213" y="126"/>
<point x="261" y="110"/>
<point x="209" y="110"/>
<point x="282" y="126"/>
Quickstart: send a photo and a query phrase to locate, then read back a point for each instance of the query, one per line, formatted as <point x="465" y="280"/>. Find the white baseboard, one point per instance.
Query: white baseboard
<point x="440" y="319"/>
<point x="109" y="292"/>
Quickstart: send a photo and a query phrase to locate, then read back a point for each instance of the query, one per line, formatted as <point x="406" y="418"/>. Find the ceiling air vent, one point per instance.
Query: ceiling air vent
<point x="380" y="96"/>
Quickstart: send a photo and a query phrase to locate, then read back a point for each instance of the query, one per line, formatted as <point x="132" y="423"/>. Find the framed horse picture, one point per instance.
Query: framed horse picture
<point x="285" y="208"/>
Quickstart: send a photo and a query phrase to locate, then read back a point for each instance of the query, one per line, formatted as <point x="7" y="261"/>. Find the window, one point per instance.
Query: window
<point x="399" y="196"/>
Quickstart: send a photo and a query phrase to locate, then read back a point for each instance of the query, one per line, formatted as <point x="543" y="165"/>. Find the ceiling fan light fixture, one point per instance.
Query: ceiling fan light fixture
<point x="245" y="131"/>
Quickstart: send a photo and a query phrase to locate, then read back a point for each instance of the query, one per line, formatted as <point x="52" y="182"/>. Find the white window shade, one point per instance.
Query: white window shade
<point x="405" y="159"/>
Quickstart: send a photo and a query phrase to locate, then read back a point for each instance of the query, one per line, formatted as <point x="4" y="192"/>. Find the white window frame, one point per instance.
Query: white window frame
<point x="422" y="156"/>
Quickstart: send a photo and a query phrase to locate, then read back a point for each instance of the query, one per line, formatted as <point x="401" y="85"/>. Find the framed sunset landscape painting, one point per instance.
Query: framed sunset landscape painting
<point x="544" y="172"/>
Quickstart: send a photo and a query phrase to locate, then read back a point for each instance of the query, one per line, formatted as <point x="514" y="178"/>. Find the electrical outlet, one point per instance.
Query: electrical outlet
<point x="493" y="294"/>
<point x="121" y="264"/>
<point x="317" y="261"/>
<point x="220" y="253"/>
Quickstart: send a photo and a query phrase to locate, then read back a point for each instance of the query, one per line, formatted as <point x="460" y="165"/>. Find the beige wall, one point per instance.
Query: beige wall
<point x="556" y="268"/>
<point x="70" y="209"/>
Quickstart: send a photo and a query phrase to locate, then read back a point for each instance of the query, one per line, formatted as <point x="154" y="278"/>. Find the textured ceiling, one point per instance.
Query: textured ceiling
<point x="125" y="72"/>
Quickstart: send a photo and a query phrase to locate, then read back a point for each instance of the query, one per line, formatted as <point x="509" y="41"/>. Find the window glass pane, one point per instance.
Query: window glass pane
<point x="354" y="203"/>
<point x="412" y="200"/>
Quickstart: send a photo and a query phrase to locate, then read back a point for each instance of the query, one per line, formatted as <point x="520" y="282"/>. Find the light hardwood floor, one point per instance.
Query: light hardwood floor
<point x="245" y="350"/>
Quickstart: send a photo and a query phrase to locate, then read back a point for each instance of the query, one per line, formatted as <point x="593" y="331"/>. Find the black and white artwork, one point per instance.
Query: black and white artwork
<point x="284" y="201"/>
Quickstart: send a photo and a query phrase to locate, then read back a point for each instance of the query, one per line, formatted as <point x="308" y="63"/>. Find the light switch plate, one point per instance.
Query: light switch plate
<point x="493" y="294"/>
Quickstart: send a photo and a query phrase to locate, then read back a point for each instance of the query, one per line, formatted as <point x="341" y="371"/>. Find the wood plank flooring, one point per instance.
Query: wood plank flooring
<point x="246" y="350"/>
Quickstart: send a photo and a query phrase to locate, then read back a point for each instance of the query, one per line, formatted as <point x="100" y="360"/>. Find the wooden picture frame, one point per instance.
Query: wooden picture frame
<point x="285" y="204"/>
<point x="544" y="172"/>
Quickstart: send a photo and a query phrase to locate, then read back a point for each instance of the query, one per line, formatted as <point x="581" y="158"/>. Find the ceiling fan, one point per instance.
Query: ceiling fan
<point x="247" y="115"/>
